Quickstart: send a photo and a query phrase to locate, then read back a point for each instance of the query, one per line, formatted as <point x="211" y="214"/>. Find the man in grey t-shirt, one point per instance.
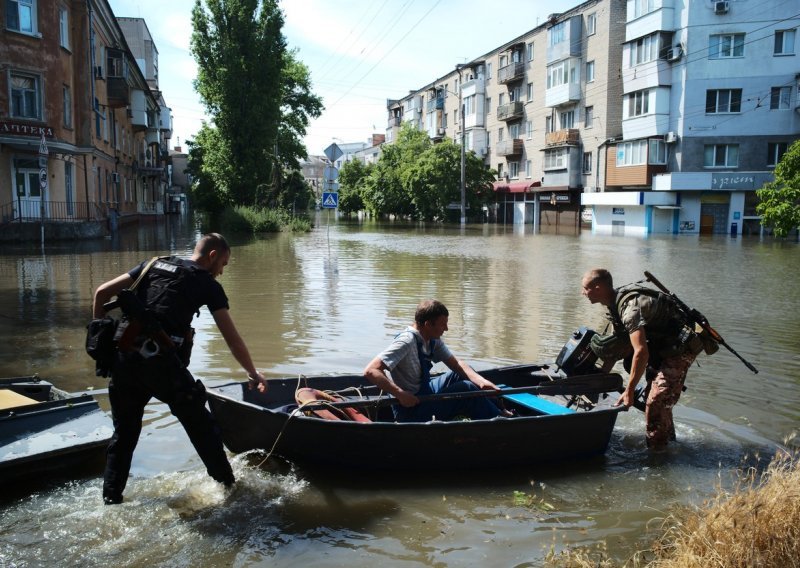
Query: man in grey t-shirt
<point x="408" y="361"/>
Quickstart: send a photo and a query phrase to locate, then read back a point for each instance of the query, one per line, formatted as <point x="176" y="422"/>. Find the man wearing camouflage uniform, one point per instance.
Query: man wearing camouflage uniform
<point x="647" y="326"/>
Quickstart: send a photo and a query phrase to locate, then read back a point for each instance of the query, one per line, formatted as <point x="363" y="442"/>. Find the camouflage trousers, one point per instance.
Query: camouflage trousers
<point x="665" y="391"/>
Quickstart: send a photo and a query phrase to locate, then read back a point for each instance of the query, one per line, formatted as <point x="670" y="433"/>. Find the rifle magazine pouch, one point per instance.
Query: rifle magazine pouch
<point x="100" y="344"/>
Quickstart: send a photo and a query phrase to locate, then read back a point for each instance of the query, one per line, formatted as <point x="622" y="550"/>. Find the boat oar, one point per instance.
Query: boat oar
<point x="585" y="384"/>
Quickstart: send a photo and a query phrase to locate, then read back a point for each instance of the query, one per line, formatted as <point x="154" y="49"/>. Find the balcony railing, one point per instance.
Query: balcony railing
<point x="395" y="121"/>
<point x="564" y="137"/>
<point x="509" y="73"/>
<point x="435" y="104"/>
<point x="27" y="210"/>
<point x="510" y="147"/>
<point x="119" y="92"/>
<point x="510" y="111"/>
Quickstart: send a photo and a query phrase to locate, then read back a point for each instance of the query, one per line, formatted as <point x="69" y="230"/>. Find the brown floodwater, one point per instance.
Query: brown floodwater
<point x="330" y="300"/>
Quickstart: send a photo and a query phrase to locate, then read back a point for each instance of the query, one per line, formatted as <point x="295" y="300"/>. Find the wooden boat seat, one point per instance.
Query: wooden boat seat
<point x="12" y="399"/>
<point x="536" y="403"/>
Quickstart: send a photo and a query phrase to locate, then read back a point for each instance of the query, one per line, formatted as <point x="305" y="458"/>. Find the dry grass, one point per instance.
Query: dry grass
<point x="755" y="524"/>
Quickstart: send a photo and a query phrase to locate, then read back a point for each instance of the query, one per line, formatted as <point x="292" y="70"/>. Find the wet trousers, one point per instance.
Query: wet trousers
<point x="665" y="391"/>
<point x="450" y="382"/>
<point x="134" y="382"/>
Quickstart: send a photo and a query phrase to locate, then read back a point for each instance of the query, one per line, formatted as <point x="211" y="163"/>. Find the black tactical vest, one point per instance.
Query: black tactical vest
<point x="169" y="291"/>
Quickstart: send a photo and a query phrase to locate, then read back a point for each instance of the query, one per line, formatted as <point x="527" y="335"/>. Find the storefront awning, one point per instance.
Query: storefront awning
<point x="514" y="186"/>
<point x="667" y="206"/>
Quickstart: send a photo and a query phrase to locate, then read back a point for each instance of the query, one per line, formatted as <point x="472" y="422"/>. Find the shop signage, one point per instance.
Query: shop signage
<point x="25" y="129"/>
<point x="554" y="198"/>
<point x="729" y="180"/>
<point x="618" y="211"/>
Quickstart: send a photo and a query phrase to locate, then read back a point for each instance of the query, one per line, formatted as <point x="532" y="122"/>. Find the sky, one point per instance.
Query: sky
<point x="359" y="52"/>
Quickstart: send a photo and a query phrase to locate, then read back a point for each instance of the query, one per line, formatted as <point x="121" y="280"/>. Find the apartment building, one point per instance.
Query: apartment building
<point x="75" y="113"/>
<point x="709" y="106"/>
<point x="538" y="109"/>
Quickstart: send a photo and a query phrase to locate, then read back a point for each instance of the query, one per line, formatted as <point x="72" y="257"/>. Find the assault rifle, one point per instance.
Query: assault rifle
<point x="697" y="318"/>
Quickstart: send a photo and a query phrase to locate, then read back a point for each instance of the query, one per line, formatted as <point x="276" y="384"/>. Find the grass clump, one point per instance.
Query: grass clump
<point x="754" y="524"/>
<point x="253" y="220"/>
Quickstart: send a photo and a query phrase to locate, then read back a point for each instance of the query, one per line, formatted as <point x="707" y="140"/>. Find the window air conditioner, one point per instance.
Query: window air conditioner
<point x="721" y="7"/>
<point x="674" y="54"/>
<point x="483" y="151"/>
<point x="419" y="110"/>
<point x="671" y="138"/>
<point x="440" y="131"/>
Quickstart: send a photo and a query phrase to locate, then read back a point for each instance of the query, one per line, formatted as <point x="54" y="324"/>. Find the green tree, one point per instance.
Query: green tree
<point x="352" y="178"/>
<point x="258" y="94"/>
<point x="780" y="199"/>
<point x="295" y="195"/>
<point x="206" y="155"/>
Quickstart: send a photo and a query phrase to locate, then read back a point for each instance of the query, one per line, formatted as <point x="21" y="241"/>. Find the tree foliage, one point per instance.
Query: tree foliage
<point x="258" y="95"/>
<point x="418" y="179"/>
<point x="352" y="177"/>
<point x="780" y="199"/>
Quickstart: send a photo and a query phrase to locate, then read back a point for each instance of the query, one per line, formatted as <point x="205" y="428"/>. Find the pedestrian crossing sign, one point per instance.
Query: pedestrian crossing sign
<point x="330" y="200"/>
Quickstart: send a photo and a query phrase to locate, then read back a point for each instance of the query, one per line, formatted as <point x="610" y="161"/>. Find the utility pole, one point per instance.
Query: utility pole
<point x="463" y="150"/>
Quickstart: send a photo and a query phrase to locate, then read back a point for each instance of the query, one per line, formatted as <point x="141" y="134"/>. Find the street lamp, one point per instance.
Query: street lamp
<point x="463" y="151"/>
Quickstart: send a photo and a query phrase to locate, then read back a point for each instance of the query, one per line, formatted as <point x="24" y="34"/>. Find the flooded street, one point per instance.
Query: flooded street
<point x="329" y="301"/>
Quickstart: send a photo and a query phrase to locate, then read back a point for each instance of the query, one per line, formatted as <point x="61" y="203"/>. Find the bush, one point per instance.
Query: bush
<point x="243" y="219"/>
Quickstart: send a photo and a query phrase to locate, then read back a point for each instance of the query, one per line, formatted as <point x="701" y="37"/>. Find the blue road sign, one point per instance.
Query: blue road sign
<point x="330" y="200"/>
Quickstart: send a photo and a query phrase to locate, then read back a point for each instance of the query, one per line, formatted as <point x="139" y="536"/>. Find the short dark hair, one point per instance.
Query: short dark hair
<point x="209" y="242"/>
<point x="429" y="310"/>
<point x="600" y="275"/>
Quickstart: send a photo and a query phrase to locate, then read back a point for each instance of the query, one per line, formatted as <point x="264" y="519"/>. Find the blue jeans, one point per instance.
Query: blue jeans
<point x="481" y="408"/>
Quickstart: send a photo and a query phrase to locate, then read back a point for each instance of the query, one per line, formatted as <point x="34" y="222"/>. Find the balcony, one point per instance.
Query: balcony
<point x="511" y="111"/>
<point x="435" y="104"/>
<point x="509" y="73"/>
<point x="562" y="95"/>
<point x="565" y="137"/>
<point x="510" y="147"/>
<point x="394" y="121"/>
<point x="118" y="91"/>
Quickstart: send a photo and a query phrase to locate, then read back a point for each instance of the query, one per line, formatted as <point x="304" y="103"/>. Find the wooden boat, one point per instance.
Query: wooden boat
<point x="557" y="418"/>
<point x="46" y="432"/>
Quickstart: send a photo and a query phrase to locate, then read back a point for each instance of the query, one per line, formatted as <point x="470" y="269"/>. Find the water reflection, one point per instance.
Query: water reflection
<point x="327" y="302"/>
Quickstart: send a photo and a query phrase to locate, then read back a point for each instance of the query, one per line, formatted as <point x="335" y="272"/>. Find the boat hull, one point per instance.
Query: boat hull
<point x="250" y="420"/>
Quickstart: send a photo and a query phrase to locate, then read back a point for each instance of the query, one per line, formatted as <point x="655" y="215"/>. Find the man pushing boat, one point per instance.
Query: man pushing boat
<point x="404" y="370"/>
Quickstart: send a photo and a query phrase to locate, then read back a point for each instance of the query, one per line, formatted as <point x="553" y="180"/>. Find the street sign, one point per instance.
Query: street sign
<point x="43" y="151"/>
<point x="331" y="173"/>
<point x="330" y="200"/>
<point x="43" y="178"/>
<point x="333" y="152"/>
<point x="331" y="186"/>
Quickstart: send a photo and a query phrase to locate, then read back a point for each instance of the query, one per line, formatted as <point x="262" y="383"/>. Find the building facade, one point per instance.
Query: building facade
<point x="74" y="117"/>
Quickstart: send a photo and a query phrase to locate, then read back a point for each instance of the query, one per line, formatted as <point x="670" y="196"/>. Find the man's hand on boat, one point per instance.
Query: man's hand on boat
<point x="257" y="380"/>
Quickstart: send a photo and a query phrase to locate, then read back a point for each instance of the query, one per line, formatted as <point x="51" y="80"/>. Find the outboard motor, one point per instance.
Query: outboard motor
<point x="577" y="357"/>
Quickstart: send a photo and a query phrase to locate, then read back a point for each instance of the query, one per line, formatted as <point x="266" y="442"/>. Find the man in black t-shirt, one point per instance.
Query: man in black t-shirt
<point x="147" y="363"/>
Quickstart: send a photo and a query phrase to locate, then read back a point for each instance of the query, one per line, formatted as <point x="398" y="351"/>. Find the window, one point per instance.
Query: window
<point x="63" y="27"/>
<point x="723" y="101"/>
<point x="501" y="99"/>
<point x="784" y="42"/>
<point x="529" y="49"/>
<point x="513" y="169"/>
<point x="67" y="110"/>
<point x="721" y="156"/>
<point x="632" y="153"/>
<point x="642" y="7"/>
<point x="591" y="24"/>
<point x="780" y="98"/>
<point x="725" y="45"/>
<point x="557" y="33"/>
<point x="530" y="91"/>
<point x="775" y="151"/>
<point x="500" y="134"/>
<point x="25" y="98"/>
<point x="548" y="124"/>
<point x="561" y="73"/>
<point x="528" y="168"/>
<point x="529" y="129"/>
<point x="587" y="162"/>
<point x="643" y="50"/>
<point x="590" y="71"/>
<point x="489" y="72"/>
<point x="638" y="103"/>
<point x="555" y="159"/>
<point x="515" y="94"/>
<point x="658" y="152"/>
<point x="567" y="119"/>
<point x="21" y="16"/>
<point x="588" y="117"/>
<point x="500" y="170"/>
<point x="503" y="61"/>
<point x="513" y="130"/>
